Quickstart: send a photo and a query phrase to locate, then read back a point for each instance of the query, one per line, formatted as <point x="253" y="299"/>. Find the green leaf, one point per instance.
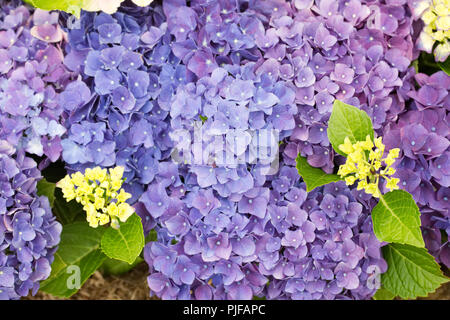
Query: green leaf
<point x="70" y="6"/>
<point x="348" y="121"/>
<point x="415" y="64"/>
<point x="412" y="272"/>
<point x="152" y="236"/>
<point x="125" y="243"/>
<point x="314" y="177"/>
<point x="45" y="188"/>
<point x="117" y="267"/>
<point x="383" y="294"/>
<point x="79" y="246"/>
<point x="445" y="66"/>
<point x="67" y="212"/>
<point x="396" y="218"/>
<point x="427" y="63"/>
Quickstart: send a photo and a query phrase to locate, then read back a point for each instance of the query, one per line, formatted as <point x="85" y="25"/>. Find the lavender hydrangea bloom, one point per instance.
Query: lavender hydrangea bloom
<point x="340" y="253"/>
<point x="32" y="75"/>
<point x="127" y="127"/>
<point x="29" y="232"/>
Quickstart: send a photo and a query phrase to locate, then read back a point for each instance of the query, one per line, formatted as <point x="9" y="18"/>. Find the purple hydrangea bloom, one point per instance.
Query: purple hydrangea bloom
<point x="334" y="251"/>
<point x="32" y="76"/>
<point x="29" y="233"/>
<point x="123" y="73"/>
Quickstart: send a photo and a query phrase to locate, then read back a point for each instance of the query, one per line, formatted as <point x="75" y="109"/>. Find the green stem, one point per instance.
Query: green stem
<point x="384" y="202"/>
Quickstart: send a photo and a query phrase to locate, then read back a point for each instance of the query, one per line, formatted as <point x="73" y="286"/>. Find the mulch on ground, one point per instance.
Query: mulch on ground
<point x="133" y="286"/>
<point x="129" y="286"/>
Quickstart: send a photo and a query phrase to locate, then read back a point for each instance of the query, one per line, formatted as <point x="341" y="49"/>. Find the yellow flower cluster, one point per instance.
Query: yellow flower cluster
<point x="100" y="194"/>
<point x="436" y="16"/>
<point x="365" y="165"/>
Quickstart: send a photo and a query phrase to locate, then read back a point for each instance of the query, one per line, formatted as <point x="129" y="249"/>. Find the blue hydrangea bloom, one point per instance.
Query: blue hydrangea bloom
<point x="29" y="233"/>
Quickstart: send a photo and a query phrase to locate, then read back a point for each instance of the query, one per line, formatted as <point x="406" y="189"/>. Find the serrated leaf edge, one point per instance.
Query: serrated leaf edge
<point x="124" y="240"/>
<point x="426" y="271"/>
<point x="385" y="205"/>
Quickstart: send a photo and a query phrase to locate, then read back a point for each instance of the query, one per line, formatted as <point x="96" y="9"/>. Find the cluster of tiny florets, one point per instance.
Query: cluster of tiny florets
<point x="367" y="165"/>
<point x="101" y="194"/>
<point x="435" y="15"/>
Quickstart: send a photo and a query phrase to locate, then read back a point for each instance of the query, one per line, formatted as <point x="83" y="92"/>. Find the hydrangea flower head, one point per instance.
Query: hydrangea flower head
<point x="363" y="164"/>
<point x="436" y="19"/>
<point x="101" y="194"/>
<point x="29" y="233"/>
<point x="32" y="76"/>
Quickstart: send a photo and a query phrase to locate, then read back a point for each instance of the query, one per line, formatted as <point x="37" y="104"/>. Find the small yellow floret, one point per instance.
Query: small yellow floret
<point x="361" y="184"/>
<point x="125" y="211"/>
<point x="368" y="144"/>
<point x="372" y="188"/>
<point x="123" y="196"/>
<point x="112" y="209"/>
<point x="103" y="219"/>
<point x="389" y="172"/>
<point x="99" y="203"/>
<point x="116" y="173"/>
<point x="350" y="180"/>
<point x="392" y="184"/>
<point x="116" y="185"/>
<point x="379" y="144"/>
<point x="347" y="147"/>
<point x="78" y="178"/>
<point x="428" y="16"/>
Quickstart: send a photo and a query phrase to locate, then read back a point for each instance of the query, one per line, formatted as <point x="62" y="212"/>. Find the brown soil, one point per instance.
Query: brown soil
<point x="129" y="286"/>
<point x="133" y="286"/>
<point x="442" y="293"/>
